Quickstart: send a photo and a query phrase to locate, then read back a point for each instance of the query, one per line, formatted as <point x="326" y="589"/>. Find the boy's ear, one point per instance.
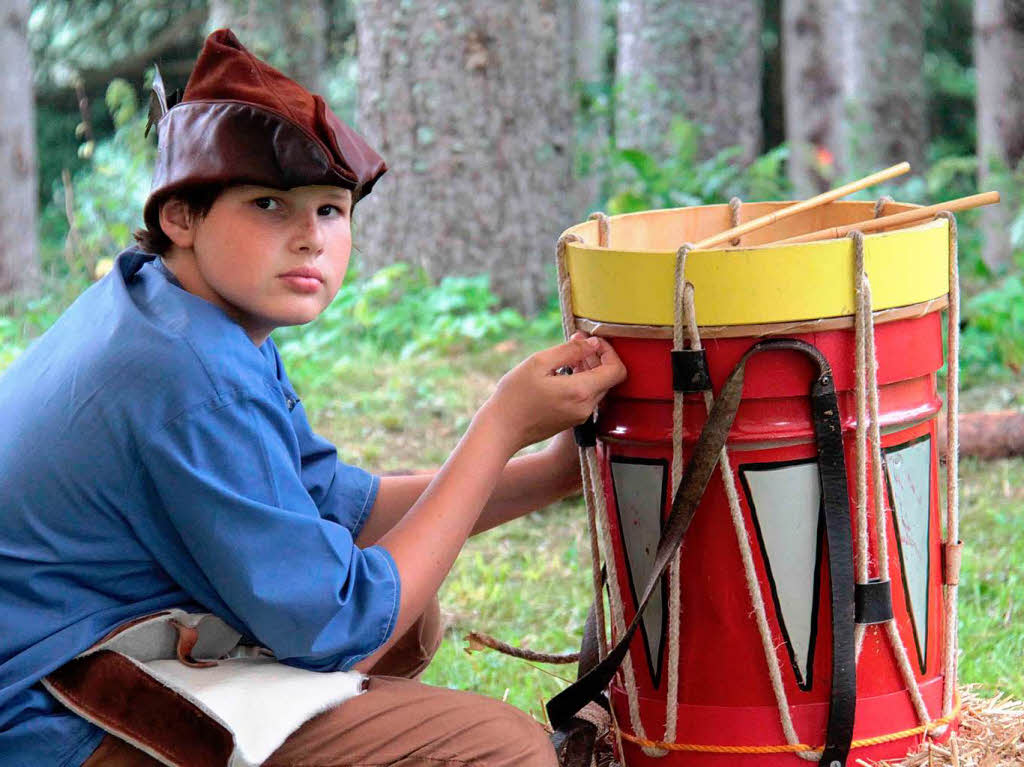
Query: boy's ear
<point x="178" y="222"/>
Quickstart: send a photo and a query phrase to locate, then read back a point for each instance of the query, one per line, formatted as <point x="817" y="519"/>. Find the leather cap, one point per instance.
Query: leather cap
<point x="241" y="121"/>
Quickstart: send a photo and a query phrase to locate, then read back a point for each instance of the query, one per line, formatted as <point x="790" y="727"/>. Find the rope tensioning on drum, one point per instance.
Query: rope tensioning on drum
<point x="597" y="513"/>
<point x="953" y="545"/>
<point x="867" y="389"/>
<point x="674" y="586"/>
<point x="735" y="206"/>
<point x="708" y="748"/>
<point x="596" y="491"/>
<point x="686" y="313"/>
<point x="568" y="328"/>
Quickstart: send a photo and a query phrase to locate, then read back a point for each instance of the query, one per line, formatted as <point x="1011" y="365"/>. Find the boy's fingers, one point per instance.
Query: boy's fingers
<point x="609" y="373"/>
<point x="601" y="346"/>
<point x="572" y="353"/>
<point x="594" y="382"/>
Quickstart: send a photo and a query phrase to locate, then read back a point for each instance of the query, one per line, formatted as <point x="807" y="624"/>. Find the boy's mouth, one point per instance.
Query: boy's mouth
<point x="307" y="272"/>
<point x="305" y="279"/>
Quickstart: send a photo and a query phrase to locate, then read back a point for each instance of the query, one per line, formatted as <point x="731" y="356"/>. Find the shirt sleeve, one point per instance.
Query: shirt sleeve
<point x="252" y="541"/>
<point x="343" y="494"/>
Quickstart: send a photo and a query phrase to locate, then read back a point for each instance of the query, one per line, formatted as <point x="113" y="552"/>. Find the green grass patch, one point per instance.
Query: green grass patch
<point x="527" y="583"/>
<point x="992" y="581"/>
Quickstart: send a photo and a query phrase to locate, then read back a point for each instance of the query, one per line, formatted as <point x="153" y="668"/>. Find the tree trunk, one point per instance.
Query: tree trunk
<point x="230" y="13"/>
<point x="999" y="57"/>
<point x="700" y="59"/>
<point x="290" y="36"/>
<point x="813" y="101"/>
<point x="469" y="103"/>
<point x="881" y="55"/>
<point x="305" y="37"/>
<point x="19" y="257"/>
<point x="590" y="113"/>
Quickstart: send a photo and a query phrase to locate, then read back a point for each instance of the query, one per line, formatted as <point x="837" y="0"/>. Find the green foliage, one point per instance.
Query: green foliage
<point x="58" y="146"/>
<point x="400" y="313"/>
<point x="20" y="324"/>
<point x="949" y="77"/>
<point x="1010" y="183"/>
<point x="398" y="309"/>
<point x="992" y="343"/>
<point x="69" y="38"/>
<point x="110" y="191"/>
<point x="643" y="183"/>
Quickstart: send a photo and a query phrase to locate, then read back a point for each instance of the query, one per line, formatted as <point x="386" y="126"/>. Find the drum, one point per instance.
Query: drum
<point x="740" y="658"/>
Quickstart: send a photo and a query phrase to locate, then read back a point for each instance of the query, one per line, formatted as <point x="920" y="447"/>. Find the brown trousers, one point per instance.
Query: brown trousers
<point x="397" y="721"/>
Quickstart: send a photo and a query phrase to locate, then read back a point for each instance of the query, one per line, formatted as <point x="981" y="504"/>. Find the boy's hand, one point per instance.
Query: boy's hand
<point x="534" y="402"/>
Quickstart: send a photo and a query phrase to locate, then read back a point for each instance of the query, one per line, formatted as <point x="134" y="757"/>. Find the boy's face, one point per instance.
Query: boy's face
<point x="268" y="257"/>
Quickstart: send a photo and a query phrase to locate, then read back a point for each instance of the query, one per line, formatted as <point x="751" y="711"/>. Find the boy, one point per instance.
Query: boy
<point x="155" y="456"/>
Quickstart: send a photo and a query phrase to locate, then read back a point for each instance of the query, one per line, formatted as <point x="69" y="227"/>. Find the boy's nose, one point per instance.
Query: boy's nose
<point x="309" y="235"/>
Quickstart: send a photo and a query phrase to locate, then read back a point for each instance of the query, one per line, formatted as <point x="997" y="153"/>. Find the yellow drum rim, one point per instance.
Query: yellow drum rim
<point x="757" y="284"/>
<point x="764" y="330"/>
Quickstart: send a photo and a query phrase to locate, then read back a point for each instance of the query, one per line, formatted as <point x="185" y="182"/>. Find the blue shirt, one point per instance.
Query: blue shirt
<point x="151" y="456"/>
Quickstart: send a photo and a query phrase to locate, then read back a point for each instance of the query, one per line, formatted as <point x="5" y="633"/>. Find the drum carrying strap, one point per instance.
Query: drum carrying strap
<point x="835" y="500"/>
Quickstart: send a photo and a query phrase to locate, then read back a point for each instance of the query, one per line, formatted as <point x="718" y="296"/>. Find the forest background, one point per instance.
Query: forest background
<point x="504" y="123"/>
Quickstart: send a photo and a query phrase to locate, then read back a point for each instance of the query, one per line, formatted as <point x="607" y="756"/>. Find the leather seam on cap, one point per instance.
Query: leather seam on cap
<point x="315" y="139"/>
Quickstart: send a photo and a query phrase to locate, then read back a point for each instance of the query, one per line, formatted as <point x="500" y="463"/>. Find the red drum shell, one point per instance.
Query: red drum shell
<point x="725" y="693"/>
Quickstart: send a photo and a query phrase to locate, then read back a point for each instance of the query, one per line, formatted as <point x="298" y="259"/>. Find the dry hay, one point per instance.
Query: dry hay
<point x="991" y="735"/>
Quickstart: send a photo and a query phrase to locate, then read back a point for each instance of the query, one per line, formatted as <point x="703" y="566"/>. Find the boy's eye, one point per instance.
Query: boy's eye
<point x="329" y="210"/>
<point x="267" y="203"/>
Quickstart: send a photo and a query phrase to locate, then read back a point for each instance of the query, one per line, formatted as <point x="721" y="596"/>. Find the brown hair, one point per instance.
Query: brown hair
<point x="197" y="199"/>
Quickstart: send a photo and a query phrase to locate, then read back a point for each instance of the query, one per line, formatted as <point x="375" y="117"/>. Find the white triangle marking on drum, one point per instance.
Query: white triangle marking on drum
<point x="786" y="506"/>
<point x="639" y="491"/>
<point x="909" y="470"/>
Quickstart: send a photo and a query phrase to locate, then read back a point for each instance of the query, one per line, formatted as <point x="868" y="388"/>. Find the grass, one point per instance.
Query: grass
<point x="528" y="582"/>
<point x="992" y="580"/>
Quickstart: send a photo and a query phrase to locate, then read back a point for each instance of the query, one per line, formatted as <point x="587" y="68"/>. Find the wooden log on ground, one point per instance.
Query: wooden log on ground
<point x="988" y="435"/>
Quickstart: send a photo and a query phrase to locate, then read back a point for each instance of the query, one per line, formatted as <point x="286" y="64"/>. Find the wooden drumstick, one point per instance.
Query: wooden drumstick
<point x="897" y="219"/>
<point x="800" y="207"/>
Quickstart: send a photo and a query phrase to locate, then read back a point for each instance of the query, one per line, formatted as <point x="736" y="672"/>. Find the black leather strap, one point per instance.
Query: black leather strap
<point x="690" y="370"/>
<point x="873" y="602"/>
<point x="586" y="433"/>
<point x="828" y="433"/>
<point x="832" y="471"/>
